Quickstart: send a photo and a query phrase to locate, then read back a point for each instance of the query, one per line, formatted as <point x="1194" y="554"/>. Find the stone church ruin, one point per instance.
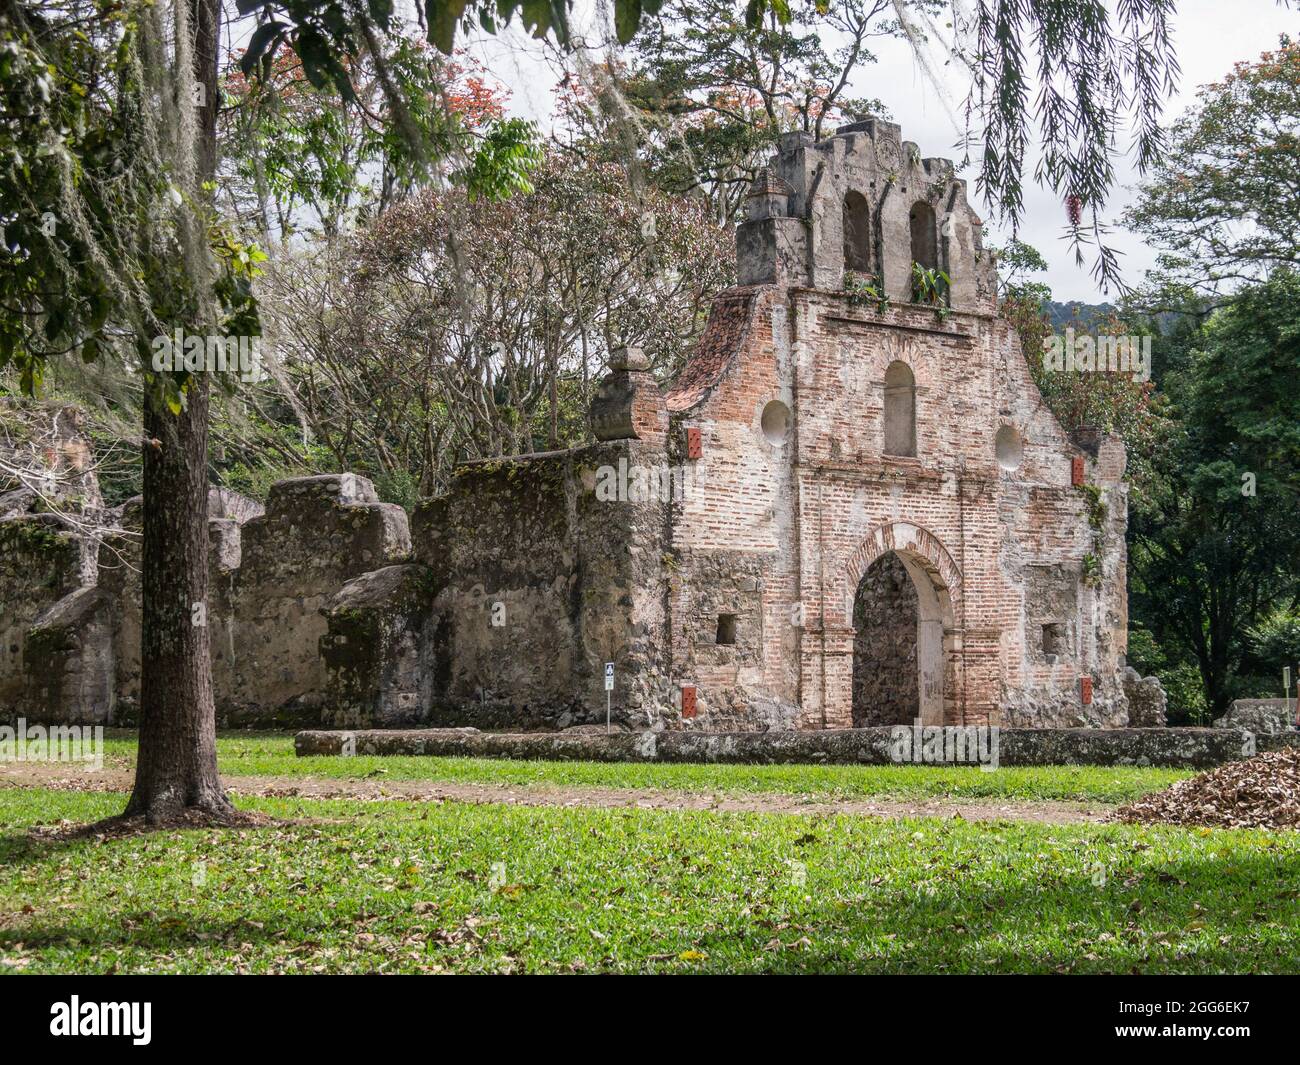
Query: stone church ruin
<point x="852" y="507"/>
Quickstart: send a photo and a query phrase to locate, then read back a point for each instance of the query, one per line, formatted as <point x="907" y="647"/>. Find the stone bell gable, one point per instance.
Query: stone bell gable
<point x="866" y="202"/>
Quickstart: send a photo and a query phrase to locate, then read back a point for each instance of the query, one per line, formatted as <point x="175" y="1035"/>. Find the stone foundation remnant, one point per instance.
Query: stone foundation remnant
<point x="1180" y="748"/>
<point x="851" y="507"/>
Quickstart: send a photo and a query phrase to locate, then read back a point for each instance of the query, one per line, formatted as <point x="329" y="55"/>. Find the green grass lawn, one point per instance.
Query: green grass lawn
<point x="395" y="886"/>
<point x="243" y="754"/>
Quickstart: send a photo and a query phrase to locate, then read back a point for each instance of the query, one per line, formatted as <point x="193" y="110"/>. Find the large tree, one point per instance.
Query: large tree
<point x="110" y="244"/>
<point x="1214" y="541"/>
<point x="711" y="95"/>
<point x="453" y="328"/>
<point x="1222" y="205"/>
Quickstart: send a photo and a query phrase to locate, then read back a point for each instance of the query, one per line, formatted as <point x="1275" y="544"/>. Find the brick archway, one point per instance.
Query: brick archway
<point x="938" y="584"/>
<point x="913" y="543"/>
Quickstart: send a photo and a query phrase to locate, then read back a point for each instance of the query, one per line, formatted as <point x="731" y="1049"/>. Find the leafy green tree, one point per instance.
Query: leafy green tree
<point x="1223" y="204"/>
<point x="108" y="158"/>
<point x="1275" y="642"/>
<point x="1113" y="401"/>
<point x="298" y="158"/>
<point x="1214" y="541"/>
<point x="107" y="151"/>
<point x="712" y="94"/>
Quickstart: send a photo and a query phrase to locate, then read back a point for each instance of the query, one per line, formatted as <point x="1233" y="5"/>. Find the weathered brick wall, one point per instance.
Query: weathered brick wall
<point x="997" y="549"/>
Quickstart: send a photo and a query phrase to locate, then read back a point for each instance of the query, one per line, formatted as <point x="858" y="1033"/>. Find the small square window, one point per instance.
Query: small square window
<point x="726" y="629"/>
<point x="1053" y="639"/>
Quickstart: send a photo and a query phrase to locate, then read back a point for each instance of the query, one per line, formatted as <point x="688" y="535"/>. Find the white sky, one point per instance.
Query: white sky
<point x="1209" y="36"/>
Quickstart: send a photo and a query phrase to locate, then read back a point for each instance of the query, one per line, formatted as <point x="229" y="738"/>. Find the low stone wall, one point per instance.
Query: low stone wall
<point x="1174" y="748"/>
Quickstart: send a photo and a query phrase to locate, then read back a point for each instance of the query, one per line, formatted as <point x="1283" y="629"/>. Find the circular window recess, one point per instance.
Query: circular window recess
<point x="776" y="422"/>
<point x="1010" y="448"/>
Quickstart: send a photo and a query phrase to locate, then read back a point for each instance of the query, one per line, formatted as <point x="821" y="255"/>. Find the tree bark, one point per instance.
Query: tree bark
<point x="176" y="770"/>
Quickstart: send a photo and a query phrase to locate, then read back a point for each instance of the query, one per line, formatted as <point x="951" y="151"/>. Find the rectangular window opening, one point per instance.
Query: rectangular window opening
<point x="726" y="629"/>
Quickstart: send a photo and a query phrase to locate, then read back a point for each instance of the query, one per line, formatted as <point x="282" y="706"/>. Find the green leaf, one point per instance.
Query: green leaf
<point x="441" y="17"/>
<point x="627" y="17"/>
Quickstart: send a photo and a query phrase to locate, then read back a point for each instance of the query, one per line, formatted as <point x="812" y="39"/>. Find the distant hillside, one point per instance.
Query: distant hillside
<point x="1088" y="315"/>
<point x="1077" y="314"/>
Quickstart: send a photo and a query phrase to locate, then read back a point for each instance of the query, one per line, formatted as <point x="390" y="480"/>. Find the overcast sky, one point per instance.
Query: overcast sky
<point x="1210" y="35"/>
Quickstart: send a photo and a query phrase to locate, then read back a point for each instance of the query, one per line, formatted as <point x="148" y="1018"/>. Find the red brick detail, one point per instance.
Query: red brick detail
<point x="909" y="539"/>
<point x="688" y="700"/>
<point x="694" y="444"/>
<point x="1076" y="470"/>
<point x="724" y="338"/>
<point x="1085" y="689"/>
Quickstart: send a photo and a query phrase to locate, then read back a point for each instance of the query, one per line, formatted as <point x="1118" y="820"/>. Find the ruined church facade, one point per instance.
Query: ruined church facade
<point x="851" y="508"/>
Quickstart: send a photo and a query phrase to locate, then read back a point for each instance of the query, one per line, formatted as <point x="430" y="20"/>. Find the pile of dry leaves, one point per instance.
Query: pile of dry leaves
<point x="1260" y="792"/>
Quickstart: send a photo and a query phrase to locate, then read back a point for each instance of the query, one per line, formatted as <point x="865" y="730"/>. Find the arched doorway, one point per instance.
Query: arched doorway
<point x="886" y="687"/>
<point x="903" y="594"/>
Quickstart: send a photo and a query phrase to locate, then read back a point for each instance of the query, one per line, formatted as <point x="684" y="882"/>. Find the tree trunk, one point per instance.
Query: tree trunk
<point x="176" y="771"/>
<point x="177" y="767"/>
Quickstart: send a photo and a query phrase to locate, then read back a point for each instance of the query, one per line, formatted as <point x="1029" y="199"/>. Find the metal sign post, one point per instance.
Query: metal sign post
<point x="609" y="687"/>
<point x="1286" y="689"/>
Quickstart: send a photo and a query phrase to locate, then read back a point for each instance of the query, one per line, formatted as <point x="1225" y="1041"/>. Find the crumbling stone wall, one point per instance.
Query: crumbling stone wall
<point x="378" y="652"/>
<point x="43" y="560"/>
<point x="529" y="575"/>
<point x="540" y="581"/>
<point x="316" y="535"/>
<point x="72" y="603"/>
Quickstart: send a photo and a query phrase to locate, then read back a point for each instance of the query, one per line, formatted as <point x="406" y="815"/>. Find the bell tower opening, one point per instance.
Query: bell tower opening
<point x="857" y="233"/>
<point x="925" y="236"/>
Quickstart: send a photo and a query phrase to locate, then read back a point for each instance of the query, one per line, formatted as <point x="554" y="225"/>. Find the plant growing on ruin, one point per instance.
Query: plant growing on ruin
<point x="863" y="289"/>
<point x="1091" y="570"/>
<point x="1095" y="501"/>
<point x="930" y="286"/>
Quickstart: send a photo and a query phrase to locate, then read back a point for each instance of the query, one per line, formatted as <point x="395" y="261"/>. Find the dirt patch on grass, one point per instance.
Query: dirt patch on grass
<point x="63" y="777"/>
